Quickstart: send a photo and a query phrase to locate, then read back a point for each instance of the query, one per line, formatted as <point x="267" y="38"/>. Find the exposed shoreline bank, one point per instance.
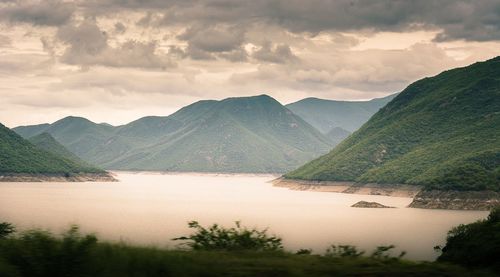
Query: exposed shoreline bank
<point x="456" y="200"/>
<point x="448" y="200"/>
<point x="408" y="191"/>
<point x="79" y="177"/>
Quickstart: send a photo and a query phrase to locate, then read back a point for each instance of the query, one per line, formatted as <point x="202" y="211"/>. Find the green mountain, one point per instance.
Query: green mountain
<point x="325" y="115"/>
<point x="79" y="135"/>
<point x="18" y="155"/>
<point x="337" y="135"/>
<point x="442" y="132"/>
<point x="46" y="142"/>
<point x="247" y="134"/>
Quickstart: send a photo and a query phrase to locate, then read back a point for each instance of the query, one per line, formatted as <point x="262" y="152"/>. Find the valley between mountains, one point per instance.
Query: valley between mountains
<point x="441" y="135"/>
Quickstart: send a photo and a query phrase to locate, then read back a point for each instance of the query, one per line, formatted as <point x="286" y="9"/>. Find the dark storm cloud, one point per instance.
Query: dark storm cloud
<point x="280" y="53"/>
<point x="209" y="42"/>
<point x="213" y="38"/>
<point x="88" y="45"/>
<point x="465" y="19"/>
<point x="120" y="28"/>
<point x="44" y="13"/>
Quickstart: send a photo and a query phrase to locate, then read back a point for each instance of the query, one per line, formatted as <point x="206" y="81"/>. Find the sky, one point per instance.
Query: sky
<point x="117" y="60"/>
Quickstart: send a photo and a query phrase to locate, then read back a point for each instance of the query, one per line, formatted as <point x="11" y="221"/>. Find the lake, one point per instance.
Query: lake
<point x="152" y="208"/>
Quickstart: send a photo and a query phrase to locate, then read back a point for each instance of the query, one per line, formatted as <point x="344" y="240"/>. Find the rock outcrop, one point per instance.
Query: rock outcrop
<point x="365" y="204"/>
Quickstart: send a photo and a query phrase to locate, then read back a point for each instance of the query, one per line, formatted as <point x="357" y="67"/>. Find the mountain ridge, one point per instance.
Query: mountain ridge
<point x="441" y="132"/>
<point x="253" y="134"/>
<point x="20" y="158"/>
<point x="325" y="114"/>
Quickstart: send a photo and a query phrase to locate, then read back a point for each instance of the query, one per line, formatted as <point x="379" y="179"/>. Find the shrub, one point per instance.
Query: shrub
<point x="343" y="251"/>
<point x="40" y="253"/>
<point x="6" y="229"/>
<point x="304" y="251"/>
<point x="476" y="244"/>
<point x="216" y="237"/>
<point x="382" y="252"/>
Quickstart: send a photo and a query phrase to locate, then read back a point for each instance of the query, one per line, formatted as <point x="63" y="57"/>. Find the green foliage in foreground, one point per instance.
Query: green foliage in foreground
<point x="476" y="244"/>
<point x="217" y="237"/>
<point x="18" y="155"/>
<point x="6" y="229"/>
<point x="441" y="132"/>
<point x="40" y="253"/>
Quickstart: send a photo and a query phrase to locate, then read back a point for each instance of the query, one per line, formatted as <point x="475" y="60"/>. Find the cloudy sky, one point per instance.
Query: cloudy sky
<point x="117" y="60"/>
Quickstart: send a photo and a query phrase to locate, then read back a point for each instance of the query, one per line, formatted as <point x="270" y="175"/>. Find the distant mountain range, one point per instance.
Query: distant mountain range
<point x="246" y="134"/>
<point x="19" y="156"/>
<point x="441" y="132"/>
<point x="327" y="115"/>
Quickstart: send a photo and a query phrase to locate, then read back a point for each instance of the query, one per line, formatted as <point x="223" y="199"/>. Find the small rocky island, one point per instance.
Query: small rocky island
<point x="365" y="204"/>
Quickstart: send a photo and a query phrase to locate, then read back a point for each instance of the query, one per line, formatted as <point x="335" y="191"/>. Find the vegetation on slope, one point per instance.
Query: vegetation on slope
<point x="442" y="132"/>
<point x="78" y="135"/>
<point x="46" y="142"/>
<point x="337" y="135"/>
<point x="246" y="134"/>
<point x="18" y="155"/>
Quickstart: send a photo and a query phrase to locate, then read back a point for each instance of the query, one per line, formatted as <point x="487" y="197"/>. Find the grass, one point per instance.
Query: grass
<point x="40" y="253"/>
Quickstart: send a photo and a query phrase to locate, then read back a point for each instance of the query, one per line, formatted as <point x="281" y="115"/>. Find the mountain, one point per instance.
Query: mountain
<point x="46" y="142"/>
<point x="326" y="115"/>
<point x="441" y="132"/>
<point x="77" y="134"/>
<point x="337" y="135"/>
<point x="19" y="156"/>
<point x="245" y="134"/>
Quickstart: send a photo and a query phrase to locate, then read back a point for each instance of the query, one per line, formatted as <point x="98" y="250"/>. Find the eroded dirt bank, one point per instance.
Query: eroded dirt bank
<point x="450" y="200"/>
<point x="81" y="177"/>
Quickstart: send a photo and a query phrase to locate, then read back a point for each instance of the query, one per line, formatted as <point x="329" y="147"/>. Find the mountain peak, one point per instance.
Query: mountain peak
<point x="261" y="97"/>
<point x="73" y="119"/>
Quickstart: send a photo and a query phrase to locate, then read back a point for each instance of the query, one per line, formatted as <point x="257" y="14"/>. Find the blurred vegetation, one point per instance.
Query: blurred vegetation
<point x="217" y="237"/>
<point x="343" y="251"/>
<point x="40" y="253"/>
<point x="476" y="244"/>
<point x="441" y="132"/>
<point x="6" y="229"/>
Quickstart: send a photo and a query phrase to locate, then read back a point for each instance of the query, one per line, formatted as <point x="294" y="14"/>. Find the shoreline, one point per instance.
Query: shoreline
<point x="197" y="173"/>
<point x="77" y="177"/>
<point x="456" y="200"/>
<point x="395" y="190"/>
<point x="422" y="199"/>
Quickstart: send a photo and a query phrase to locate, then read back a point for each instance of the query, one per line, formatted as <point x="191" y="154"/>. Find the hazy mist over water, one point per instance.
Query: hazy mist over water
<point x="153" y="208"/>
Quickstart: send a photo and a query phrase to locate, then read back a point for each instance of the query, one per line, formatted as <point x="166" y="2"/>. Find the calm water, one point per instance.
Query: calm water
<point x="148" y="208"/>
